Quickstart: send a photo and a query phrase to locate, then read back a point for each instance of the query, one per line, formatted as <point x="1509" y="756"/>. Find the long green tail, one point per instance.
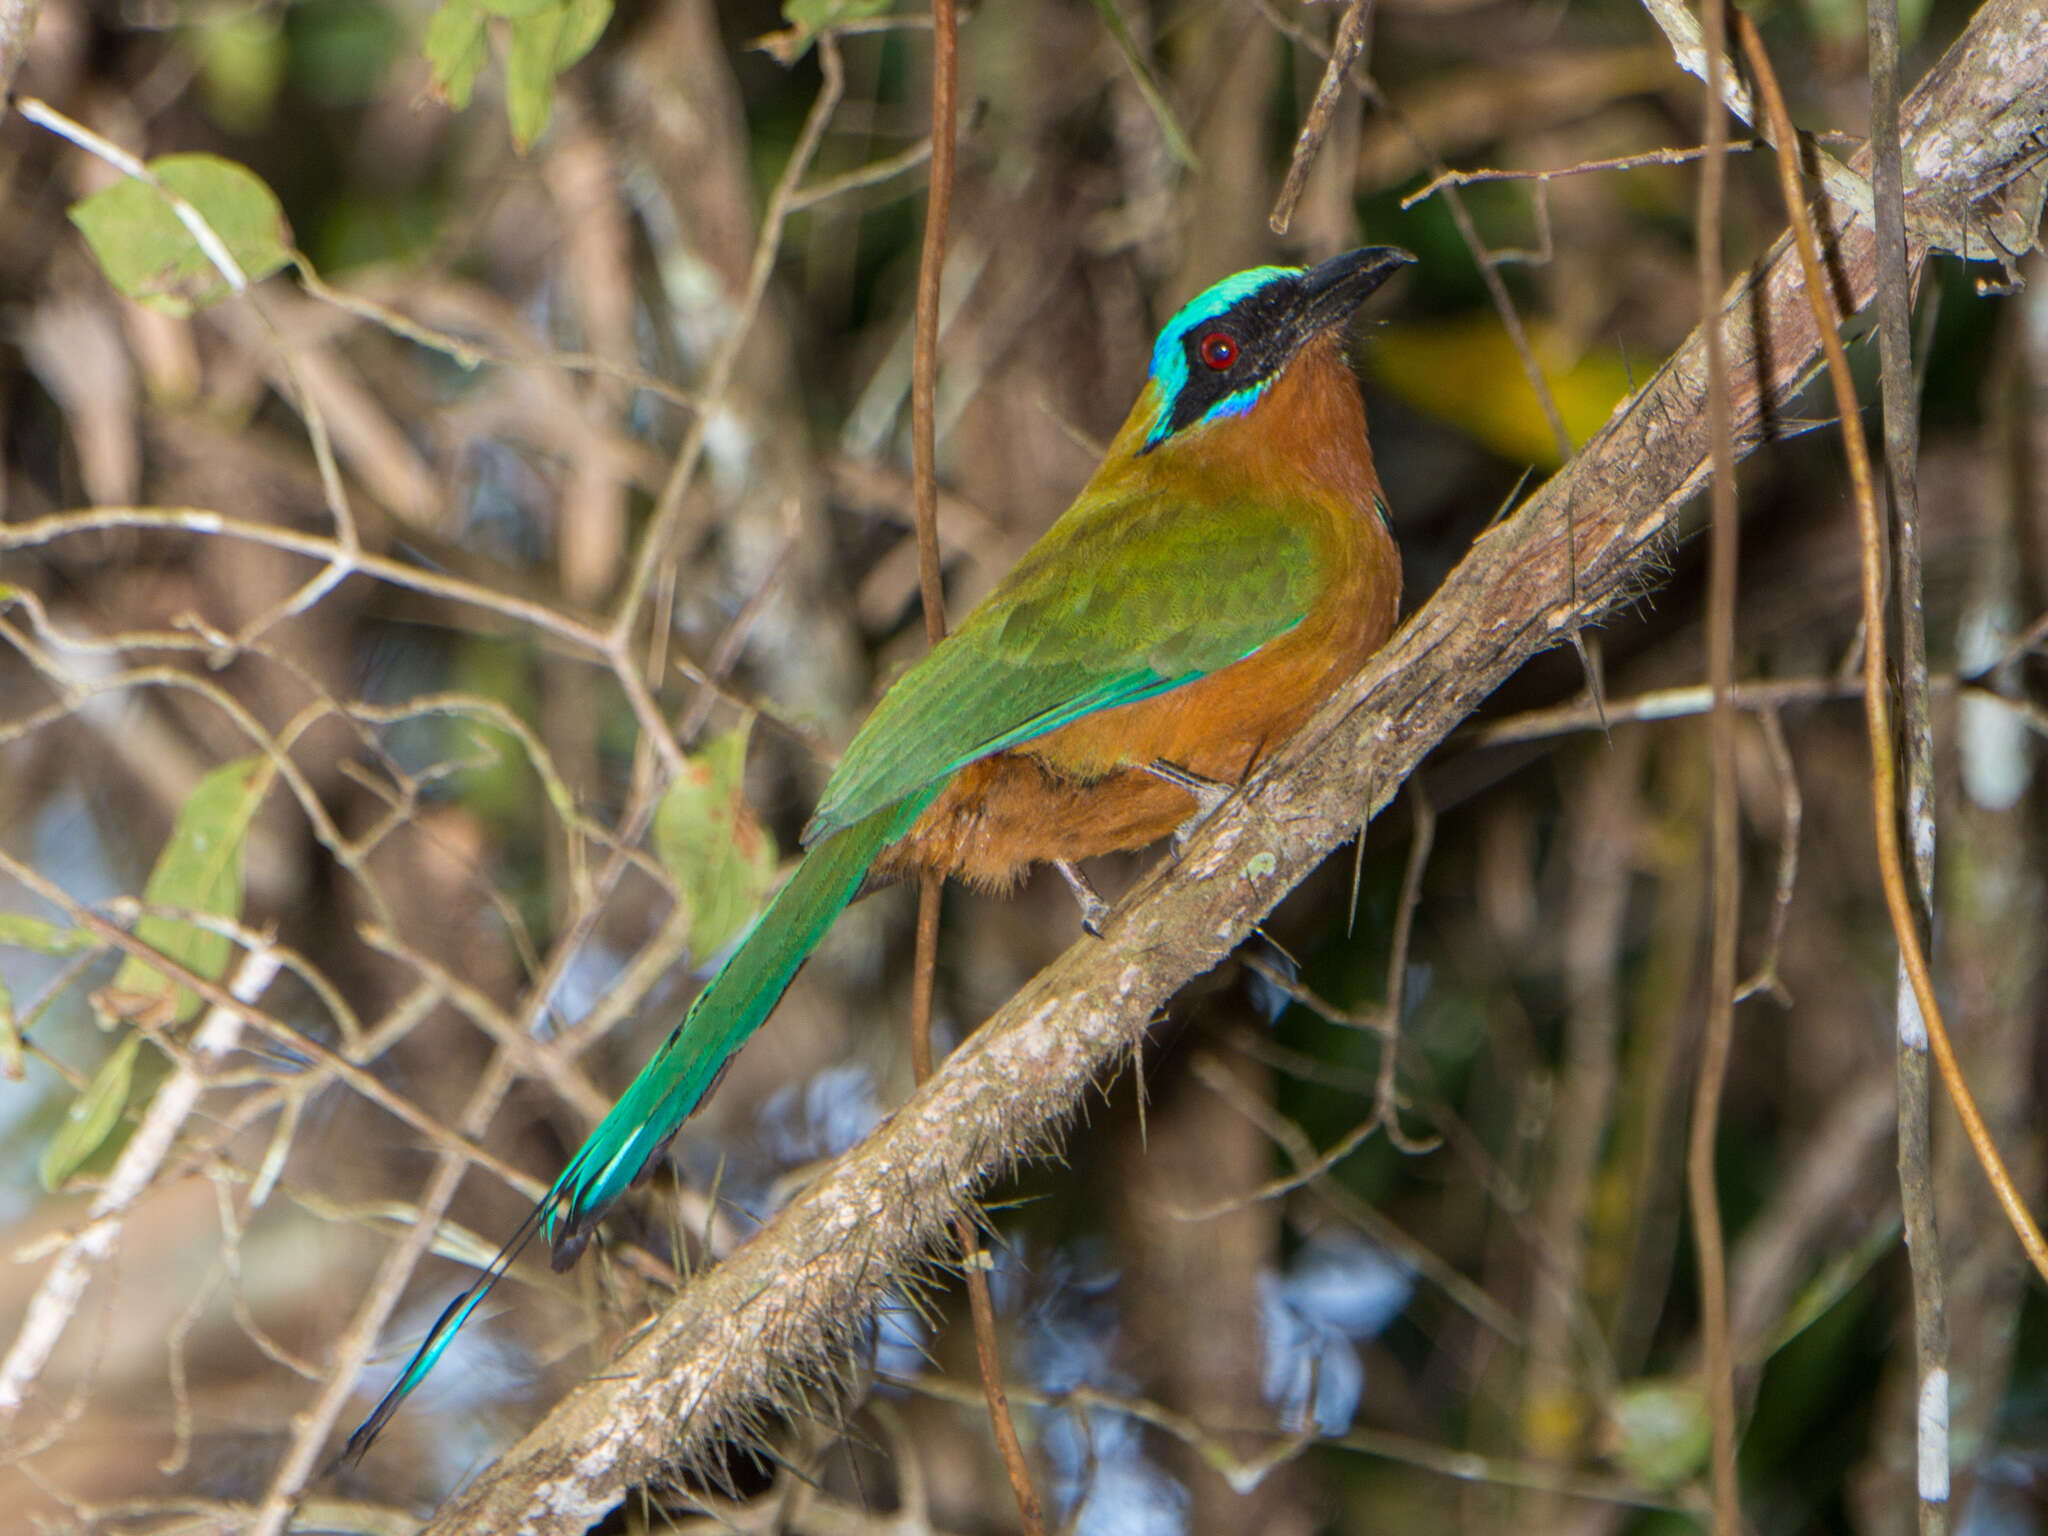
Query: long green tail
<point x="678" y="1077"/>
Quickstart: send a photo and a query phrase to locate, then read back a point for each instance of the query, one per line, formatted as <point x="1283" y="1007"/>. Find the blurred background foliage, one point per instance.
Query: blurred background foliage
<point x="1486" y="1324"/>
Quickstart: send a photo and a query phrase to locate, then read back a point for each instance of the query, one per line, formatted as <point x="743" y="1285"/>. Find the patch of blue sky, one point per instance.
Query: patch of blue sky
<point x="591" y="972"/>
<point x="1339" y="1291"/>
<point x="65" y="844"/>
<point x="800" y="1123"/>
<point x="1102" y="1481"/>
<point x="902" y="1341"/>
<point x="2001" y="1501"/>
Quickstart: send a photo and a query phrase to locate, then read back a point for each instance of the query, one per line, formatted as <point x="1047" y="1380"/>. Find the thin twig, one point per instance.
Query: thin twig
<point x="63" y="1285"/>
<point x="1718" y="1037"/>
<point x="1488" y="264"/>
<point x="1901" y="451"/>
<point x="924" y="370"/>
<point x="1877" y="712"/>
<point x="1472" y="178"/>
<point x="1765" y="977"/>
<point x="1245" y="1473"/>
<point x="863" y="176"/>
<point x="1353" y="33"/>
<point x="668" y="507"/>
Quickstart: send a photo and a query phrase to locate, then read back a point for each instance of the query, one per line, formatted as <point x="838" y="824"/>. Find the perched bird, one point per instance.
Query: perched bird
<point x="1224" y="569"/>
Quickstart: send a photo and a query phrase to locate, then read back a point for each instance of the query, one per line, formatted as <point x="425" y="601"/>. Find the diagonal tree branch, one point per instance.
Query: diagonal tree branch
<point x="765" y="1325"/>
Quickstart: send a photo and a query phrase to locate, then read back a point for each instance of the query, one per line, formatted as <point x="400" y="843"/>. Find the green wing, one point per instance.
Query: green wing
<point x="1118" y="602"/>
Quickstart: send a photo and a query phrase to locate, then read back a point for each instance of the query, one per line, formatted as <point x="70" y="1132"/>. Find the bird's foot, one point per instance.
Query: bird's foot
<point x="1094" y="910"/>
<point x="1209" y="797"/>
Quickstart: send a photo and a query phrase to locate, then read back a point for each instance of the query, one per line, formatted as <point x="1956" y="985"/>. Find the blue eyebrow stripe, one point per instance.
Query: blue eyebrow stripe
<point x="1169" y="354"/>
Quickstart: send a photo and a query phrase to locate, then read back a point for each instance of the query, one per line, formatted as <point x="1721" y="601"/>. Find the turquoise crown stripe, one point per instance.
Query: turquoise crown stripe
<point x="1170" y="355"/>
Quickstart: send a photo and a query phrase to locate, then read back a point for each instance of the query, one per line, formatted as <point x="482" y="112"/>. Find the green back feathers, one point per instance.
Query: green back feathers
<point x="1195" y="588"/>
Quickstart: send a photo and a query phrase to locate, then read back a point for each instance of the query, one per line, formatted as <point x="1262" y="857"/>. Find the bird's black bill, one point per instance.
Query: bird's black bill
<point x="1333" y="289"/>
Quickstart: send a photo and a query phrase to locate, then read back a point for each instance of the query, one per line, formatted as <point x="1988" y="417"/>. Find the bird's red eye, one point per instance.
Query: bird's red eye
<point x="1219" y="350"/>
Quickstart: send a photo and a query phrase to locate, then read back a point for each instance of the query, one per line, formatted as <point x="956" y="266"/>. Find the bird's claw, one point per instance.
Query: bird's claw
<point x="1208" y="794"/>
<point x="1094" y="910"/>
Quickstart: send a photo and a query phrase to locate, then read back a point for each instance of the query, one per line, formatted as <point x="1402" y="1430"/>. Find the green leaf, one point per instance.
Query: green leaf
<point x="584" y="25"/>
<point x="807" y="18"/>
<point x="530" y="72"/>
<point x="543" y="45"/>
<point x="704" y="832"/>
<point x="816" y="15"/>
<point x="151" y="257"/>
<point x="456" y="45"/>
<point x="241" y="66"/>
<point x="200" y="869"/>
<point x="92" y="1117"/>
<point x="20" y="931"/>
<point x="1660" y="1430"/>
<point x="519" y="10"/>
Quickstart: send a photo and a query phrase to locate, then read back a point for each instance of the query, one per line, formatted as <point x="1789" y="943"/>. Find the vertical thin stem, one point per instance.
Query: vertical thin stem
<point x="924" y="357"/>
<point x="924" y="370"/>
<point x="1876" y="708"/>
<point x="1720" y="1025"/>
<point x="1901" y="453"/>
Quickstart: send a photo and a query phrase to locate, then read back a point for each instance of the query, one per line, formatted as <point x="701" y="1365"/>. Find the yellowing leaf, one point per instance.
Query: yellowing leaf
<point x="455" y="47"/>
<point x="92" y="1117"/>
<point x="543" y="45"/>
<point x="151" y="257"/>
<point x="199" y="869"/>
<point x="1466" y="372"/>
<point x="704" y="832"/>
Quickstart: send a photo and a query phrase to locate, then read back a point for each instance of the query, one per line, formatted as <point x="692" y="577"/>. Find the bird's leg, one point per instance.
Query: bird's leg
<point x="1094" y="910"/>
<point x="1209" y="797"/>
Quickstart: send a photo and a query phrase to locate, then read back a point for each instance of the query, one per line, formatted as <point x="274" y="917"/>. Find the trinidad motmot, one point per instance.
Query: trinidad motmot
<point x="1224" y="569"/>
